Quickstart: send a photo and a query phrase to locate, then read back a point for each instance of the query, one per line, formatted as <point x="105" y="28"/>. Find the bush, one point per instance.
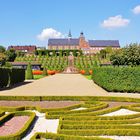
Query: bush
<point x="29" y="74"/>
<point x="4" y="77"/>
<point x="130" y="55"/>
<point x="45" y="71"/>
<point x="22" y="132"/>
<point x="11" y="76"/>
<point x="16" y="76"/>
<point x="120" y="79"/>
<point x="40" y="135"/>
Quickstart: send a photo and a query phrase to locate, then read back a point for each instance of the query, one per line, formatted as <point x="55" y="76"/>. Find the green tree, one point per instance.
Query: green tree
<point x="2" y="49"/>
<point x="2" y="59"/>
<point x="103" y="54"/>
<point x="8" y="64"/>
<point x="10" y="55"/>
<point x="130" y="55"/>
<point x="29" y="74"/>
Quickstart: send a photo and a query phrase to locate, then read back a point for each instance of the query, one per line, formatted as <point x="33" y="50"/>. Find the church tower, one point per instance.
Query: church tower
<point x="82" y="42"/>
<point x="69" y="35"/>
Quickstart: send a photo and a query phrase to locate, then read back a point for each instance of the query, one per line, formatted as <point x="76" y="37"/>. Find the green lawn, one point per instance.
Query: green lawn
<point x="88" y="77"/>
<point x="36" y="77"/>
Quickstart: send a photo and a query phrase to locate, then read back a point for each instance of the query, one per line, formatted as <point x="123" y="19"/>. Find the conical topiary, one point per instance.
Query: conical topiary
<point x="87" y="71"/>
<point x="45" y="71"/>
<point x="29" y="74"/>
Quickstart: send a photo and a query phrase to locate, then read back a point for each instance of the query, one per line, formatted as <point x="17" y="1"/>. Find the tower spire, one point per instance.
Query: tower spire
<point x="69" y="35"/>
<point x="82" y="34"/>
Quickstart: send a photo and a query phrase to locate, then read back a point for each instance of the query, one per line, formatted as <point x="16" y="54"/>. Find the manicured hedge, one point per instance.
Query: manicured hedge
<point x="1" y="113"/>
<point x="120" y="79"/>
<point x="4" y="77"/>
<point x="16" y="76"/>
<point x="11" y="76"/>
<point x="118" y="132"/>
<point x="70" y="98"/>
<point x="58" y="113"/>
<point x="63" y="137"/>
<point x="93" y="124"/>
<point x="22" y="132"/>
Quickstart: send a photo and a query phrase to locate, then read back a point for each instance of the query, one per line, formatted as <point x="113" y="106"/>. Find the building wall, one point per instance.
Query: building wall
<point x="63" y="47"/>
<point x="23" y="48"/>
<point x="83" y="43"/>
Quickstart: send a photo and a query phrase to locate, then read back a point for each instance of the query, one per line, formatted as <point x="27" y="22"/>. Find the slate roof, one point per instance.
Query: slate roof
<point x="104" y="43"/>
<point x="63" y="41"/>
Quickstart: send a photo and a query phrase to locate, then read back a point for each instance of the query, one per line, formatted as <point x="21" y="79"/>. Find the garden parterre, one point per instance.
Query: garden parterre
<point x="88" y="123"/>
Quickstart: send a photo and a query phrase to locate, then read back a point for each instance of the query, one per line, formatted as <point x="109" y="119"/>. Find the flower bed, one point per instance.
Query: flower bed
<point x="37" y="72"/>
<point x="51" y="72"/>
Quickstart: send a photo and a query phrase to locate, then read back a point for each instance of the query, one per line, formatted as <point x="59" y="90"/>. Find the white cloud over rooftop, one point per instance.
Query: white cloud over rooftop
<point x="115" y="22"/>
<point x="49" y="33"/>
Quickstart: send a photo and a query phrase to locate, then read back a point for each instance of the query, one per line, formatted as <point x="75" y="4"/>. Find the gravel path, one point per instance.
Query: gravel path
<point x="13" y="125"/>
<point x="62" y="85"/>
<point x="121" y="112"/>
<point x="42" y="125"/>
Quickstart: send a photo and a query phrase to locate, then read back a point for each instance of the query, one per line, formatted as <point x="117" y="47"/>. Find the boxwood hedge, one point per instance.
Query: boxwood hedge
<point x="22" y="132"/>
<point x="120" y="79"/>
<point x="52" y="136"/>
<point x="11" y="76"/>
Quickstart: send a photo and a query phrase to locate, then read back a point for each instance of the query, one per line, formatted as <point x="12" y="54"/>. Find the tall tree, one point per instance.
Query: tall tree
<point x="11" y="55"/>
<point x="2" y="49"/>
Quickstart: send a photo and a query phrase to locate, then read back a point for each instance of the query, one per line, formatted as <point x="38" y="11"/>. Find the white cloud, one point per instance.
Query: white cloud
<point x="49" y="33"/>
<point x="136" y="10"/>
<point x="115" y="22"/>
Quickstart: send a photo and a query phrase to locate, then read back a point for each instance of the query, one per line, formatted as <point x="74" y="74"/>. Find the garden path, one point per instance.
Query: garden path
<point x="62" y="85"/>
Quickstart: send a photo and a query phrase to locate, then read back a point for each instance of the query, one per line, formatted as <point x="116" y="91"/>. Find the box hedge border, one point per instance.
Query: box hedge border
<point x="103" y="125"/>
<point x="64" y="137"/>
<point x="69" y="98"/>
<point x="22" y="132"/>
<point x="58" y="113"/>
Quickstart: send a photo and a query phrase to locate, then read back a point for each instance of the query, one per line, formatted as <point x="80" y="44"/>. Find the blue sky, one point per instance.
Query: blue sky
<point x="25" y="22"/>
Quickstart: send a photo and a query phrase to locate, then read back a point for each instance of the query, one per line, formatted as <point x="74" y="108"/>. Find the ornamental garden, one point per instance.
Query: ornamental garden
<point x="71" y="117"/>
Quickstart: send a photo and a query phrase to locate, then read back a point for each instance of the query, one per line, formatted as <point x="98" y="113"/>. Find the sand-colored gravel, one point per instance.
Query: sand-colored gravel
<point x="62" y="85"/>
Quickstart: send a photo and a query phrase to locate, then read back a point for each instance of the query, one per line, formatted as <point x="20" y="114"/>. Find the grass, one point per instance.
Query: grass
<point x="88" y="77"/>
<point x="36" y="77"/>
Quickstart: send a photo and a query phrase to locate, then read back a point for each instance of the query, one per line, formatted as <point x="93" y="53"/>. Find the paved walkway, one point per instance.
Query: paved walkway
<point x="62" y="85"/>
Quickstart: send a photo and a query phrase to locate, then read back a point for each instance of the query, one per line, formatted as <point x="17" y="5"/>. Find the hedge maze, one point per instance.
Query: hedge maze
<point x="87" y="123"/>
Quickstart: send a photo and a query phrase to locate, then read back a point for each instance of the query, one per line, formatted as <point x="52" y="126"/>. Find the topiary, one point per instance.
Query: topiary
<point x="29" y="74"/>
<point x="45" y="73"/>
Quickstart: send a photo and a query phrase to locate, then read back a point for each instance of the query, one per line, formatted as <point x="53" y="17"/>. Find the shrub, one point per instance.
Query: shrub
<point x="130" y="55"/>
<point x="11" y="76"/>
<point x="40" y="135"/>
<point x="16" y="76"/>
<point x="22" y="132"/>
<point x="45" y="71"/>
<point x="121" y="79"/>
<point x="4" y="77"/>
<point x="29" y="74"/>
